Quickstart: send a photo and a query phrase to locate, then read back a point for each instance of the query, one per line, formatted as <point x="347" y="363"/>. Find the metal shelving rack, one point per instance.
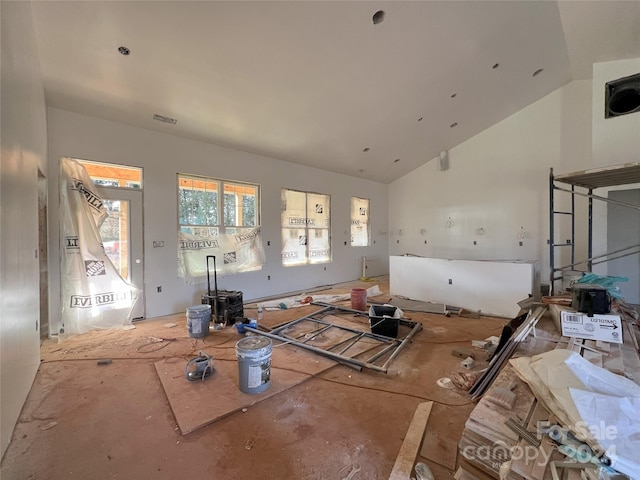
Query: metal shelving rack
<point x="589" y="180"/>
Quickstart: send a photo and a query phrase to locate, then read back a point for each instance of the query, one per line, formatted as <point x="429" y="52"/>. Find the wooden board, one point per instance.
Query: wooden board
<point x="439" y="444"/>
<point x="413" y="439"/>
<point x="196" y="404"/>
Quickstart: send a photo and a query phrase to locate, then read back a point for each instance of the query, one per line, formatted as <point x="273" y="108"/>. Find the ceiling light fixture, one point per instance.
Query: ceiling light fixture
<point x="538" y="72"/>
<point x="162" y="118"/>
<point x="453" y="125"/>
<point x="378" y="17"/>
<point x="495" y="65"/>
<point x="124" y="51"/>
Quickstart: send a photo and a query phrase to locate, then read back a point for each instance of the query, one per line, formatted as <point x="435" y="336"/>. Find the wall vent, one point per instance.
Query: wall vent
<point x="622" y="96"/>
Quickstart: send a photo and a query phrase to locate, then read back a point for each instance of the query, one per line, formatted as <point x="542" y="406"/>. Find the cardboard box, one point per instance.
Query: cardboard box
<point x="607" y="328"/>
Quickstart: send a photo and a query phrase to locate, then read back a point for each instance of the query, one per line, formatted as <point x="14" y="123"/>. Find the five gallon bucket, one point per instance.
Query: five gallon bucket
<point x="569" y="277"/>
<point x="198" y="318"/>
<point x="254" y="364"/>
<point x="359" y="299"/>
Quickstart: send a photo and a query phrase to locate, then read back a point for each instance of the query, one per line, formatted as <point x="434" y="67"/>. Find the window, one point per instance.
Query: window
<point x="306" y="221"/>
<point x="359" y="222"/>
<point x="209" y="206"/>
<point x="111" y="175"/>
<point x="220" y="218"/>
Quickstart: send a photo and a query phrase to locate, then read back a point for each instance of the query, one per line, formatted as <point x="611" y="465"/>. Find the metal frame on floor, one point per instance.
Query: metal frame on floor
<point x="391" y="347"/>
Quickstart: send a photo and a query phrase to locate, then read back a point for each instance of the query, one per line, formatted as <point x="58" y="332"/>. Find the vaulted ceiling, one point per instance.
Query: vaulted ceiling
<point x="319" y="82"/>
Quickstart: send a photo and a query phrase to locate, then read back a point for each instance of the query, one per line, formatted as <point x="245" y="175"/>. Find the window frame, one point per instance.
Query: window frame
<point x="310" y="231"/>
<point x="219" y="226"/>
<point x="135" y="182"/>
<point x="354" y="221"/>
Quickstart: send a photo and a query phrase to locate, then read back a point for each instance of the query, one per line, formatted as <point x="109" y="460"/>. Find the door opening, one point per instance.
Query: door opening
<point x="42" y="256"/>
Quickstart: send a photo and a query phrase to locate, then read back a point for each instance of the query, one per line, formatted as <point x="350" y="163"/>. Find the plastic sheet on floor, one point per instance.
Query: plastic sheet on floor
<point x="599" y="406"/>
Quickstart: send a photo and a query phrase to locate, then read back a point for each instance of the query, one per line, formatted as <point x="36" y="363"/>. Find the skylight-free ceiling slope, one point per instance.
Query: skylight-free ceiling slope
<point x="309" y="82"/>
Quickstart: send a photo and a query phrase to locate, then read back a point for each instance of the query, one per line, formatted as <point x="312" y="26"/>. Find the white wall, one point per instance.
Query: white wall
<point x="498" y="181"/>
<point x="162" y="156"/>
<point x="615" y="140"/>
<point x="24" y="149"/>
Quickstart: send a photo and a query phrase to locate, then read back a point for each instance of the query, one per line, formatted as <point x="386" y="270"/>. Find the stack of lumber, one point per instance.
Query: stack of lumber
<point x="487" y="444"/>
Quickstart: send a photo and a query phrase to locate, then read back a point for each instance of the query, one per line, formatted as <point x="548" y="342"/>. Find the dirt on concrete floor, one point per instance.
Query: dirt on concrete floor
<point x="86" y="421"/>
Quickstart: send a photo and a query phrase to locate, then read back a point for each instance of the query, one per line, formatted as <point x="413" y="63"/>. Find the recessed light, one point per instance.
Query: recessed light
<point x="366" y="149"/>
<point x="538" y="72"/>
<point x="454" y="95"/>
<point x="453" y="125"/>
<point x="420" y="119"/>
<point x="378" y="17"/>
<point x="124" y="51"/>
<point x="495" y="65"/>
<point x="396" y="160"/>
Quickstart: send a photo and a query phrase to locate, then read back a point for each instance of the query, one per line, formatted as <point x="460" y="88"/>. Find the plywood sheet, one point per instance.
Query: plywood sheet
<point x="196" y="404"/>
<point x="440" y="444"/>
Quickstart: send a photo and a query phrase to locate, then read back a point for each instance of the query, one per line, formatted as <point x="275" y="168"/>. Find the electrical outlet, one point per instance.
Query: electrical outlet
<point x="520" y="243"/>
<point x="268" y="243"/>
<point x="159" y="289"/>
<point x="425" y="242"/>
<point x="345" y="243"/>
<point x="475" y="242"/>
<point x="325" y="269"/>
<point x="158" y="243"/>
<point x="451" y="281"/>
<point x="268" y="277"/>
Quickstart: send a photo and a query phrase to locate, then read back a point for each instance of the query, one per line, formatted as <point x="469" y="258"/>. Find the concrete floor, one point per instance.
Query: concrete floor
<point x="87" y="421"/>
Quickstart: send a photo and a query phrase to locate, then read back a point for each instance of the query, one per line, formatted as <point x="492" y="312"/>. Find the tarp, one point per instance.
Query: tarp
<point x="599" y="406"/>
<point x="235" y="253"/>
<point x="94" y="295"/>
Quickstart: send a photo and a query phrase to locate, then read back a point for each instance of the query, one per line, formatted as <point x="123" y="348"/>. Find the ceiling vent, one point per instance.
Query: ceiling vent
<point x="622" y="96"/>
<point x="162" y="118"/>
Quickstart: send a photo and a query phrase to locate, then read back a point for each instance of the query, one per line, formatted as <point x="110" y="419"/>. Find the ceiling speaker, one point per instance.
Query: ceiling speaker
<point x="622" y="96"/>
<point x="443" y="161"/>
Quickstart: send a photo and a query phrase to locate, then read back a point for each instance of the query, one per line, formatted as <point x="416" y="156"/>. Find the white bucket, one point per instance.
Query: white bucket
<point x="569" y="277"/>
<point x="198" y="319"/>
<point x="254" y="364"/>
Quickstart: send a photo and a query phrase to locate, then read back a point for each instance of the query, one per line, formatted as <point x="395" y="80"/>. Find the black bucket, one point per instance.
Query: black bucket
<point x="384" y="320"/>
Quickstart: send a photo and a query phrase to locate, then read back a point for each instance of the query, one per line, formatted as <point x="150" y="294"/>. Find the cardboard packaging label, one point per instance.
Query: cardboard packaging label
<point x="607" y="328"/>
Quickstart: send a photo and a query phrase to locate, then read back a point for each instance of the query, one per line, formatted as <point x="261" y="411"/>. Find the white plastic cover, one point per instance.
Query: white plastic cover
<point x="94" y="295"/>
<point x="235" y="253"/>
<point x="599" y="406"/>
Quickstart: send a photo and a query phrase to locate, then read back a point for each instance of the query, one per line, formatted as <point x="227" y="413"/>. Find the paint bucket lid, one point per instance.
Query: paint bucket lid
<point x="253" y="343"/>
<point x="199" y="308"/>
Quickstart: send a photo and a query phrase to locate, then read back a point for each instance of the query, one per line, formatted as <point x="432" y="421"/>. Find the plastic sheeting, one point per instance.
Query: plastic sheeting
<point x="599" y="406"/>
<point x="94" y="295"/>
<point x="610" y="283"/>
<point x="238" y="252"/>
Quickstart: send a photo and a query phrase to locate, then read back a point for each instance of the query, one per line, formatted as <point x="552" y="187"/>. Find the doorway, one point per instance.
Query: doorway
<point x="623" y="230"/>
<point x="42" y="256"/>
<point x="122" y="238"/>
